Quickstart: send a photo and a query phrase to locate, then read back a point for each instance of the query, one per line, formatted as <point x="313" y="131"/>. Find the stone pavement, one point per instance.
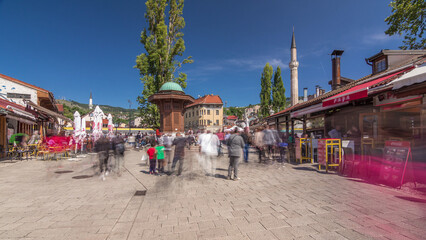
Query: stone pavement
<point x="270" y="201"/>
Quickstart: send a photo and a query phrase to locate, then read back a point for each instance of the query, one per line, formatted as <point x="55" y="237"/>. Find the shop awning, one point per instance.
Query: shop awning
<point x="47" y="111"/>
<point x="417" y="75"/>
<point x="356" y="92"/>
<point x="314" y="108"/>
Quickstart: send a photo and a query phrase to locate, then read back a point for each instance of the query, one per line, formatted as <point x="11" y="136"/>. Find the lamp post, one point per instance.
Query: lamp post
<point x="130" y="114"/>
<point x="116" y="126"/>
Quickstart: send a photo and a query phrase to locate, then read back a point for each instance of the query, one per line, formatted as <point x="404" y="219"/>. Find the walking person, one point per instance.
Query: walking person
<point x="269" y="142"/>
<point x="118" y="148"/>
<point x="179" y="142"/>
<point x="208" y="145"/>
<point x="246" y="137"/>
<point x="160" y="158"/>
<point x="102" y="147"/>
<point x="235" y="147"/>
<point x="258" y="142"/>
<point x="168" y="142"/>
<point x="152" y="154"/>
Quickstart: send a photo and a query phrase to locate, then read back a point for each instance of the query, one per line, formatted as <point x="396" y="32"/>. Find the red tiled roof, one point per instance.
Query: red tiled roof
<point x="207" y="99"/>
<point x="60" y="107"/>
<point x="23" y="83"/>
<point x="232" y="117"/>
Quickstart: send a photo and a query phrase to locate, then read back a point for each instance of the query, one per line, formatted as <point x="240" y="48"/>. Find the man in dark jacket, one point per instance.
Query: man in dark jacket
<point x="102" y="147"/>
<point x="118" y="148"/>
<point x="235" y="145"/>
<point x="180" y="143"/>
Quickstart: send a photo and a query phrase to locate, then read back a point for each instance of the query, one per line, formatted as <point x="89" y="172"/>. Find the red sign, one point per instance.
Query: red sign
<point x="345" y="98"/>
<point x="404" y="144"/>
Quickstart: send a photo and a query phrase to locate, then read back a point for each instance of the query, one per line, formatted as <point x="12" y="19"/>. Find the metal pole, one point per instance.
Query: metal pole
<point x="130" y="112"/>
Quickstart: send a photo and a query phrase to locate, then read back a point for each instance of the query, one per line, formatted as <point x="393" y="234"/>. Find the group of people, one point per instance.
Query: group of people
<point x="105" y="147"/>
<point x="160" y="153"/>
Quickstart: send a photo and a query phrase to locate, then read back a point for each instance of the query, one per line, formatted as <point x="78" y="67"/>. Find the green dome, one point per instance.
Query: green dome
<point x="171" y="86"/>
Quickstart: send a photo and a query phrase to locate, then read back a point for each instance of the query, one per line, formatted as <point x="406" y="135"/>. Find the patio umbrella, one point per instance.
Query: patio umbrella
<point x="77" y="124"/>
<point x="77" y="128"/>
<point x="83" y="132"/>
<point x="97" y="121"/>
<point x="110" y="125"/>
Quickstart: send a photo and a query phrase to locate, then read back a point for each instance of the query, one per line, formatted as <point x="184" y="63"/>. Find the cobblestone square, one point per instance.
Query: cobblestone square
<point x="67" y="200"/>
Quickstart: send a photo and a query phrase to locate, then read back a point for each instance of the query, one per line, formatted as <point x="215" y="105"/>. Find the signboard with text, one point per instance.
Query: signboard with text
<point x="345" y="98"/>
<point x="395" y="157"/>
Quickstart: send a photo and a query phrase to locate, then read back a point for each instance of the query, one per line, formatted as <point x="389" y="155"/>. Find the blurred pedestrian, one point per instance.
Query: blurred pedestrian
<point x="102" y="147"/>
<point x="209" y="144"/>
<point x="235" y="147"/>
<point x="246" y="137"/>
<point x="258" y="142"/>
<point x="179" y="142"/>
<point x="160" y="158"/>
<point x="269" y="142"/>
<point x="118" y="148"/>
<point x="152" y="154"/>
<point x="168" y="142"/>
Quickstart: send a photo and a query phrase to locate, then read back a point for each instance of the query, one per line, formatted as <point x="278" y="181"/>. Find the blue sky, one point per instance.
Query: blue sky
<point x="74" y="47"/>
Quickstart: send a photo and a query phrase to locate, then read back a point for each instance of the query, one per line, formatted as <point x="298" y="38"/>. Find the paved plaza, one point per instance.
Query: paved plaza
<point x="67" y="200"/>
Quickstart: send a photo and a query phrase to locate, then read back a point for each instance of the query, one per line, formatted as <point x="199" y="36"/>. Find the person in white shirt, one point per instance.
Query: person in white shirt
<point x="209" y="144"/>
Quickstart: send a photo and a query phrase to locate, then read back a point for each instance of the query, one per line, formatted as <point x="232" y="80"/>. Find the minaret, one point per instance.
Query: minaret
<point x="90" y="101"/>
<point x="294" y="64"/>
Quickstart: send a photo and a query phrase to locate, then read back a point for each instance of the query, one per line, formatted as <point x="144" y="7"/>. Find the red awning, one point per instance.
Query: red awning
<point x="356" y="92"/>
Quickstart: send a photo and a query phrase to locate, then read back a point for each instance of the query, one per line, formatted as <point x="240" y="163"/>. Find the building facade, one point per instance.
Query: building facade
<point x="206" y="113"/>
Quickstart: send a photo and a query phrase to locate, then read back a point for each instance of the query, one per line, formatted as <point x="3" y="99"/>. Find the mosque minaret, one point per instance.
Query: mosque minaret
<point x="294" y="64"/>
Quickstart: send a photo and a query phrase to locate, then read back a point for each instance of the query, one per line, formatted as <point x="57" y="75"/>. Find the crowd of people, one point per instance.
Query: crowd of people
<point x="236" y="142"/>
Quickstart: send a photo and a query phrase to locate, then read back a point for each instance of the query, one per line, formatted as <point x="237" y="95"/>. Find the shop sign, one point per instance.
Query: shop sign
<point x="346" y="98"/>
<point x="390" y="98"/>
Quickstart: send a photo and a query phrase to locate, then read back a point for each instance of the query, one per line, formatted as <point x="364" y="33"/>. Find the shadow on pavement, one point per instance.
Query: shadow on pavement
<point x="220" y="176"/>
<point x="412" y="199"/>
<point x="82" y="176"/>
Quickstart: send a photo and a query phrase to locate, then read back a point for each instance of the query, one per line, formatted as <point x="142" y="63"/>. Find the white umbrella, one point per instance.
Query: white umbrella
<point x="77" y="123"/>
<point x="97" y="121"/>
<point x="110" y="125"/>
<point x="83" y="133"/>
<point x="77" y="128"/>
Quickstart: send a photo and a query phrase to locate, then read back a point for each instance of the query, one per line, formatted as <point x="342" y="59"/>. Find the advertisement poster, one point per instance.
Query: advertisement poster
<point x="321" y="151"/>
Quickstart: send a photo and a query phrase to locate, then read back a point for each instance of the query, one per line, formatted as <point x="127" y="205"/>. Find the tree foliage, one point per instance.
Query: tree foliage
<point x="162" y="59"/>
<point x="235" y="111"/>
<point x="408" y="17"/>
<point x="265" y="92"/>
<point x="278" y="92"/>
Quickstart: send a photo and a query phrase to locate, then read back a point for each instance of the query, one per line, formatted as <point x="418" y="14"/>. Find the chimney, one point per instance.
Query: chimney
<point x="305" y="94"/>
<point x="335" y="62"/>
<point x="317" y="90"/>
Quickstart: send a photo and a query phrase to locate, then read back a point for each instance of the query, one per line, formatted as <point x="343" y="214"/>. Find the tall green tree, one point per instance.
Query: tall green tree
<point x="278" y="92"/>
<point x="265" y="92"/>
<point x="162" y="59"/>
<point x="408" y="17"/>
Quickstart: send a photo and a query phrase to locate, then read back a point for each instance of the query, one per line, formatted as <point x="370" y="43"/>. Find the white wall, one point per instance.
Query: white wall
<point x="7" y="86"/>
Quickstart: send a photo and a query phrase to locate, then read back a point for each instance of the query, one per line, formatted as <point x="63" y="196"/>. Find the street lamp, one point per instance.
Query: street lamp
<point x="116" y="126"/>
<point x="130" y="114"/>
